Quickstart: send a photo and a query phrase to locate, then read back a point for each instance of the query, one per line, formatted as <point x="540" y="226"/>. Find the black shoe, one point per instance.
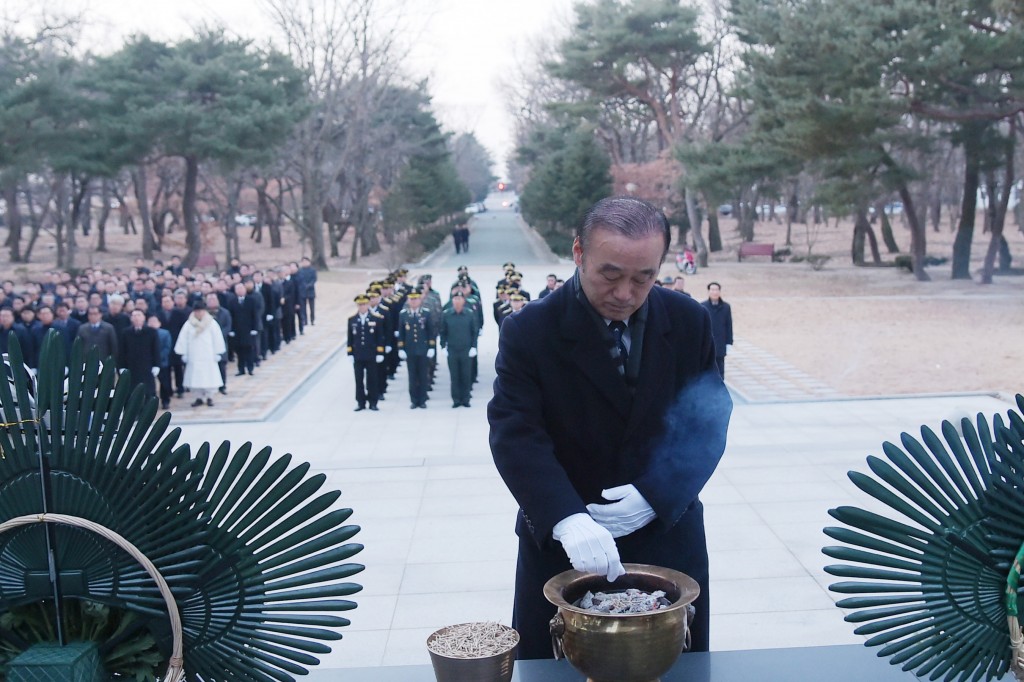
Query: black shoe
<point x="180" y="392"/>
<point x="359" y="408"/>
<point x="373" y="408"/>
<point x="423" y="406"/>
<point x="198" y="402"/>
<point x="209" y="402"/>
<point x="454" y="405"/>
<point x="250" y="373"/>
<point x="239" y="374"/>
<point x="166" y="404"/>
<point x="222" y="390"/>
<point x="413" y="406"/>
<point x="465" y="404"/>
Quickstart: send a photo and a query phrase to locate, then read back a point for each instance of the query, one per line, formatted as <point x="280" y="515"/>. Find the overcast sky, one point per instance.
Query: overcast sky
<point x="463" y="46"/>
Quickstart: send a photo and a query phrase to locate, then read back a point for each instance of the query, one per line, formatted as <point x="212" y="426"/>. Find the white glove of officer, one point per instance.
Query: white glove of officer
<point x="472" y="352"/>
<point x="431" y="353"/>
<point x="155" y="371"/>
<point x="402" y="354"/>
<point x="387" y="349"/>
<point x="269" y="318"/>
<point x="396" y="333"/>
<point x="231" y="333"/>
<point x="253" y="333"/>
<point x="590" y="547"/>
<point x="628" y="511"/>
<point x="379" y="359"/>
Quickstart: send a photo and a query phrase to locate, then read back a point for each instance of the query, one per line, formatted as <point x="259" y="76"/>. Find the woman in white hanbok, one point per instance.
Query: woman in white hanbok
<point x="200" y="345"/>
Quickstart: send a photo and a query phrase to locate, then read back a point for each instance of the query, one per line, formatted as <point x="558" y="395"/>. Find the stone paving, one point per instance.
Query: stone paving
<point x="437" y="521"/>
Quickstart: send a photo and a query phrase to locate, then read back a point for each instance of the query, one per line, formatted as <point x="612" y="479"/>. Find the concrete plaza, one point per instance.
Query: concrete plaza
<point x="437" y="521"/>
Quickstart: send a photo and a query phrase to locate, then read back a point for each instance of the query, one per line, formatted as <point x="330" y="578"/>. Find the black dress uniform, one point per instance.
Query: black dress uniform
<point x="416" y="336"/>
<point x="366" y="348"/>
<point x="384" y="312"/>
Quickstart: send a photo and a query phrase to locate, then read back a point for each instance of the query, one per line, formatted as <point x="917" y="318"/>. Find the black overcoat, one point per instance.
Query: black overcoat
<point x="565" y="425"/>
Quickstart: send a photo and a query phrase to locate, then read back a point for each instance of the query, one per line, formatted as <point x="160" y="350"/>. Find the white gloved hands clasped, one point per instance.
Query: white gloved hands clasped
<point x="590" y="547"/>
<point x="472" y="352"/>
<point x="628" y="511"/>
<point x="431" y="353"/>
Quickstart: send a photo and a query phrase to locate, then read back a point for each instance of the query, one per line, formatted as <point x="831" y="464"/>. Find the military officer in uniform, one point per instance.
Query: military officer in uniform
<point x="459" y="331"/>
<point x="381" y="309"/>
<point x="394" y="302"/>
<point x="501" y="306"/>
<point x="366" y="349"/>
<point x="416" y="345"/>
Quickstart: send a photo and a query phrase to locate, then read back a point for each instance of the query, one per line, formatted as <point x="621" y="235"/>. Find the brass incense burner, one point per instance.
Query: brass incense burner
<point x="634" y="647"/>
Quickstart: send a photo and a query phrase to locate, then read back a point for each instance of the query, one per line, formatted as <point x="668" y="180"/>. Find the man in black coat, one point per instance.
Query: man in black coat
<point x="245" y="328"/>
<point x="607" y="420"/>
<point x="139" y="353"/>
<point x="289" y="304"/>
<point x="721" y="323"/>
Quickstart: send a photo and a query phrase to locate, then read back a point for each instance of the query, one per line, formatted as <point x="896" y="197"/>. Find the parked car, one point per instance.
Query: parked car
<point x="725" y="209"/>
<point x="472" y="208"/>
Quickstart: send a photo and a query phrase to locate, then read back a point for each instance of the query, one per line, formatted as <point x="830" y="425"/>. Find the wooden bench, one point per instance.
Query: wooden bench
<point x="754" y="249"/>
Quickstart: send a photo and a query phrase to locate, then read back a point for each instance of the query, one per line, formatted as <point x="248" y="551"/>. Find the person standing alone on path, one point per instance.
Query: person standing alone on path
<point x="306" y="277"/>
<point x="608" y="419"/>
<point x="721" y="323"/>
<point x="459" y="332"/>
<point x="366" y="350"/>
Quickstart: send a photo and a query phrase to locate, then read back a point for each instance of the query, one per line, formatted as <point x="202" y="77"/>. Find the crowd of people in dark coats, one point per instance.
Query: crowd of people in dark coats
<point x="135" y="315"/>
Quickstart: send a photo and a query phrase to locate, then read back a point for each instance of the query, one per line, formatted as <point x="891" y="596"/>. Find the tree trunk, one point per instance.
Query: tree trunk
<point x="13" y="218"/>
<point x="917" y="235"/>
<point x="312" y="224"/>
<point x="714" y="230"/>
<point x="887" y="236"/>
<point x="998" y="212"/>
<point x="145" y="217"/>
<point x="969" y="203"/>
<point x="861" y="226"/>
<point x="698" y="238"/>
<point x="193" y="235"/>
<point x="936" y="210"/>
<point x="101" y="225"/>
<point x="79" y="199"/>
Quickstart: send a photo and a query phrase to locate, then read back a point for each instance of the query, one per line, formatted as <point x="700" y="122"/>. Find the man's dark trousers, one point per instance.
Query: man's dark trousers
<point x="368" y="392"/>
<point x="419" y="367"/>
<point x="460" y="366"/>
<point x="244" y="352"/>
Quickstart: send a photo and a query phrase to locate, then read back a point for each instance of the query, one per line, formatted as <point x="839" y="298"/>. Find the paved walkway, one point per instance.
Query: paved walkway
<point x="437" y="521"/>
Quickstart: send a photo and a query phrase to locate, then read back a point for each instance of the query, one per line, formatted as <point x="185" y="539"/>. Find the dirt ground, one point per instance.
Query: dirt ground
<point x="876" y="331"/>
<point x="862" y="330"/>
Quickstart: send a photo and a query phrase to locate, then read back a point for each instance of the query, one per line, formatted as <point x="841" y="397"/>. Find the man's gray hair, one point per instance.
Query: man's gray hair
<point x="628" y="216"/>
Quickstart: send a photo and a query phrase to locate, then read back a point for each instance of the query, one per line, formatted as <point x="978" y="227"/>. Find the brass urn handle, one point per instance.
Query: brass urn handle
<point x="557" y="627"/>
<point x="691" y="613"/>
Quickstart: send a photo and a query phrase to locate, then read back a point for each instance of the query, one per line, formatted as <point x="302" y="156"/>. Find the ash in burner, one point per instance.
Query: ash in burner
<point x="628" y="601"/>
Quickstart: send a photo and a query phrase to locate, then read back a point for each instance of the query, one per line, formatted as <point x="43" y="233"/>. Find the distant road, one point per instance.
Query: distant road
<point x="496" y="236"/>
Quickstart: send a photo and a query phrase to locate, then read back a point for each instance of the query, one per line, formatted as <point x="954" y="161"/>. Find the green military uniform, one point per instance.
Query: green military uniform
<point x="459" y="332"/>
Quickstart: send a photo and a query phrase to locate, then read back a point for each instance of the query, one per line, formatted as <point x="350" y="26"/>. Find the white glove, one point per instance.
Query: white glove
<point x="380" y="359"/>
<point x="396" y="333"/>
<point x="387" y="349"/>
<point x="628" y="512"/>
<point x="472" y="352"/>
<point x="590" y="547"/>
<point x="402" y="354"/>
<point x="155" y="371"/>
<point x="231" y="333"/>
<point x="431" y="353"/>
<point x="269" y="318"/>
<point x="253" y="333"/>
